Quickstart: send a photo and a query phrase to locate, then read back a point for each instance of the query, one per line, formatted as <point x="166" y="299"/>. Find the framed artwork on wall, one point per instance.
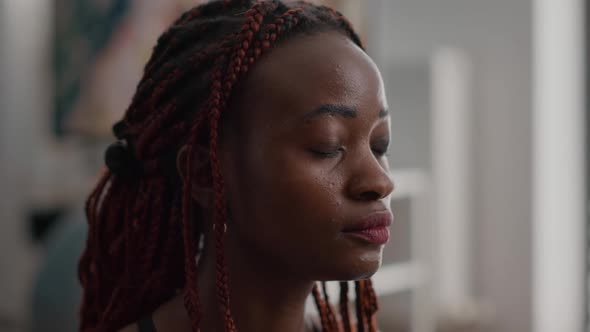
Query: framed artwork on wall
<point x="99" y="50"/>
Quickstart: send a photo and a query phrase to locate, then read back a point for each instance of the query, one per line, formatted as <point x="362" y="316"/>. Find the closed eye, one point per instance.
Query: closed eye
<point x="381" y="147"/>
<point x="326" y="153"/>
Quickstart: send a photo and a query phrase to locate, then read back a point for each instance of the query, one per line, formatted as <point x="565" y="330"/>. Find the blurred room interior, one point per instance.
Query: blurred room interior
<point x="488" y="154"/>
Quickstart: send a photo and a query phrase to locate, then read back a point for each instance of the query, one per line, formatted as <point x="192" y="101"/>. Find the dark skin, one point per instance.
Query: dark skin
<point x="302" y="157"/>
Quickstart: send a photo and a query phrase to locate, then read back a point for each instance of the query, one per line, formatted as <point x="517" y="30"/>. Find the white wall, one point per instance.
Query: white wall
<point x="497" y="36"/>
<point x="24" y="36"/>
<point x="559" y="192"/>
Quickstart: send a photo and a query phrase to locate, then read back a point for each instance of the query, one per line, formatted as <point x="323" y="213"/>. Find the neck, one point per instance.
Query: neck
<point x="261" y="298"/>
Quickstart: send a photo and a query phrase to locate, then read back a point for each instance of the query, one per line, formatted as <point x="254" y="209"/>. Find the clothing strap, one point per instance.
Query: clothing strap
<point x="146" y="324"/>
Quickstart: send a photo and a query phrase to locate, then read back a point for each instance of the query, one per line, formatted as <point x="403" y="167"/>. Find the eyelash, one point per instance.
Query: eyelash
<point x="335" y="152"/>
<point x="330" y="154"/>
<point x="381" y="152"/>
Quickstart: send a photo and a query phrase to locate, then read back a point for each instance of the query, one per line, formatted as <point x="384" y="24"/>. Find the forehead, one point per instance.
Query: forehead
<point x="307" y="71"/>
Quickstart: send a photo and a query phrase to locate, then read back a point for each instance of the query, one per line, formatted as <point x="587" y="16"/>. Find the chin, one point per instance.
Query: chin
<point x="358" y="267"/>
<point x="365" y="273"/>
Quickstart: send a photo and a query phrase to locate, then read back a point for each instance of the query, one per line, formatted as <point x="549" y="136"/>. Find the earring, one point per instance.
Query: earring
<point x="224" y="227"/>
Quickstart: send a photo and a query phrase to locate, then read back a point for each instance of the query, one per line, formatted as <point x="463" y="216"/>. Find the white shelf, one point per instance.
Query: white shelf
<point x="390" y="279"/>
<point x="395" y="278"/>
<point x="409" y="182"/>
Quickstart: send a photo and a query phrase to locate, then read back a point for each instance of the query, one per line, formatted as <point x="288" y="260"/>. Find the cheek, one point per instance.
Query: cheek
<point x="286" y="194"/>
<point x="285" y="205"/>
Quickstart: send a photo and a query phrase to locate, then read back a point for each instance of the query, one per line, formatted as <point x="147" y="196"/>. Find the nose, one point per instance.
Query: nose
<point x="371" y="180"/>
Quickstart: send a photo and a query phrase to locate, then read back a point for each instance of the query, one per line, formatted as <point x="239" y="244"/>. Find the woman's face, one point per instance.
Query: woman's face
<point x="305" y="163"/>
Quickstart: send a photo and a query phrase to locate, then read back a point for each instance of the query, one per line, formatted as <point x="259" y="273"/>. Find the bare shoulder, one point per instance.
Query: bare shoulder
<point x="129" y="328"/>
<point x="170" y="316"/>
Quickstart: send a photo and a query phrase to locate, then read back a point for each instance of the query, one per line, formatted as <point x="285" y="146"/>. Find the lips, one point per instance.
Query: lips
<point x="372" y="228"/>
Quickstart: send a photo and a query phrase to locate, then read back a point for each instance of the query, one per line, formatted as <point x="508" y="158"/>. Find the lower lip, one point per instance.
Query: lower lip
<point x="377" y="235"/>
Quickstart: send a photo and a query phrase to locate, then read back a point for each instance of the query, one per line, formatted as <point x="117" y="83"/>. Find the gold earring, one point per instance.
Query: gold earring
<point x="224" y="227"/>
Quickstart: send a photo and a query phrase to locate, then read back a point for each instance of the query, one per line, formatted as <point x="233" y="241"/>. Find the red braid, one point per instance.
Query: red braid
<point x="321" y="305"/>
<point x="360" y="306"/>
<point x="220" y="217"/>
<point x="191" y="299"/>
<point x="372" y="306"/>
<point x="329" y="311"/>
<point x="345" y="307"/>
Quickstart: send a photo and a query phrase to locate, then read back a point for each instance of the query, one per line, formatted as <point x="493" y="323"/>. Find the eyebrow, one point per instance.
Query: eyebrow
<point x="340" y="110"/>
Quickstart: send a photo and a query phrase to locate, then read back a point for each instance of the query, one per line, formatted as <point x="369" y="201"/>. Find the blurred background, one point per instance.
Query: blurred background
<point x="489" y="125"/>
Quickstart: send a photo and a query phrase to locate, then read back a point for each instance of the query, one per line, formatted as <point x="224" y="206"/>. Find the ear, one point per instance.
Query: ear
<point x="201" y="183"/>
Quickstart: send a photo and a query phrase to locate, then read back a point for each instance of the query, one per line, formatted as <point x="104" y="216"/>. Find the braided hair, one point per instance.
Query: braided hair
<point x="143" y="238"/>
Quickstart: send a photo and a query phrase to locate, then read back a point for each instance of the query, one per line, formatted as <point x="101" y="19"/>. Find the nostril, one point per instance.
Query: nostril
<point x="370" y="196"/>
